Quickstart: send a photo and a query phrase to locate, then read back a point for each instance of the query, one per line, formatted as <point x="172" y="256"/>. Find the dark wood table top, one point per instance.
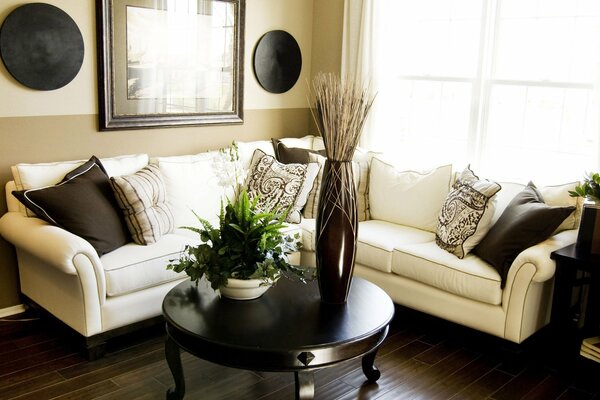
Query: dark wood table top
<point x="571" y="255"/>
<point x="287" y="318"/>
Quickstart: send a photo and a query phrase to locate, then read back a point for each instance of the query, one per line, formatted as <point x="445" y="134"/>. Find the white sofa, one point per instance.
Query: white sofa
<point x="100" y="296"/>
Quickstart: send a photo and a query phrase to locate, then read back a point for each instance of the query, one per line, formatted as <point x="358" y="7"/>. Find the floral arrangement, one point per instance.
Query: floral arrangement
<point x="247" y="244"/>
<point x="590" y="187"/>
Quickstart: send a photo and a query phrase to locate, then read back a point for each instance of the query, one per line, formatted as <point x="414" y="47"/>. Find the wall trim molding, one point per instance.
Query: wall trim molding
<point x="7" y="312"/>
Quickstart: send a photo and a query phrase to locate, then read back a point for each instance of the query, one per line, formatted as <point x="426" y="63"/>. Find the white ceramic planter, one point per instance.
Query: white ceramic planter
<point x="244" y="289"/>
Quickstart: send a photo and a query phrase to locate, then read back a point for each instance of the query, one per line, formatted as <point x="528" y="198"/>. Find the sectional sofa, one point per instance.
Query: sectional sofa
<point x="102" y="295"/>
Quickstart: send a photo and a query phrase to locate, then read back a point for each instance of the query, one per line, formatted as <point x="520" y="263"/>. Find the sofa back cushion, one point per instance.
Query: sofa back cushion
<point x="246" y="151"/>
<point x="38" y="175"/>
<point x="407" y="197"/>
<point x="192" y="186"/>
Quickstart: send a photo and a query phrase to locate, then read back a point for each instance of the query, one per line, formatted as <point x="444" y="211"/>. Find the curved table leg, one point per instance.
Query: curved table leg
<point x="305" y="385"/>
<point x="173" y="355"/>
<point x="368" y="366"/>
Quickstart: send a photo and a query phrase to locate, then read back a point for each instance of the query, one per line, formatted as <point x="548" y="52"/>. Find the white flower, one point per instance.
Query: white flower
<point x="228" y="169"/>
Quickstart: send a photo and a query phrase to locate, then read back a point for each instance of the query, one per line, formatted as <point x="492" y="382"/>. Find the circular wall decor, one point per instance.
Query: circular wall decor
<point x="41" y="46"/>
<point x="277" y="61"/>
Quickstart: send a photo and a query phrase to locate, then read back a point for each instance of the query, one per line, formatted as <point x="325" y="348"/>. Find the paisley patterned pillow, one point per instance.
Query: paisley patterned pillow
<point x="280" y="185"/>
<point x="467" y="213"/>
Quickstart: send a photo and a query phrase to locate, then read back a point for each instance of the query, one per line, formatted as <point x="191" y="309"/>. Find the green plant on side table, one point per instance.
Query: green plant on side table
<point x="590" y="188"/>
<point x="247" y="252"/>
<point x="588" y="235"/>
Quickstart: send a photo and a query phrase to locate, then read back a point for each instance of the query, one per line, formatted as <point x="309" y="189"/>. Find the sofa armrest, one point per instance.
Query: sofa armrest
<point x="50" y="243"/>
<point x="59" y="249"/>
<point x="526" y="298"/>
<point x="539" y="256"/>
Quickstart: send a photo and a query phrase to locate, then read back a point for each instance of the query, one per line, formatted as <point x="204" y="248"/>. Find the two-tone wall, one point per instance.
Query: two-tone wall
<point x="37" y="126"/>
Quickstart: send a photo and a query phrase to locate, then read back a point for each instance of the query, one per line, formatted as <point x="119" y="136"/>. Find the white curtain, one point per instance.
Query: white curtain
<point x="359" y="50"/>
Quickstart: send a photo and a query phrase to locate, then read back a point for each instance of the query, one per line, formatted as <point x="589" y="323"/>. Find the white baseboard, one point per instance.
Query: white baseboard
<point x="6" y="312"/>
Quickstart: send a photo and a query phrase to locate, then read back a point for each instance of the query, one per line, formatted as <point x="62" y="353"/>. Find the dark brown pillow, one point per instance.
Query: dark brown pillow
<point x="292" y="155"/>
<point x="83" y="203"/>
<point x="526" y="221"/>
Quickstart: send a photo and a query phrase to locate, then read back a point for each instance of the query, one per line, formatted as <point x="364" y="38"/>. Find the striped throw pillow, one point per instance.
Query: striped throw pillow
<point x="143" y="200"/>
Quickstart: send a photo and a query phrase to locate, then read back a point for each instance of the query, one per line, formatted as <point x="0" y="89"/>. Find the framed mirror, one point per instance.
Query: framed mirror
<point x="170" y="62"/>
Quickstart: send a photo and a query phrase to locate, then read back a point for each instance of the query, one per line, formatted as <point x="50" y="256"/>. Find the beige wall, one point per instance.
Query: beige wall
<point x="327" y="36"/>
<point x="57" y="125"/>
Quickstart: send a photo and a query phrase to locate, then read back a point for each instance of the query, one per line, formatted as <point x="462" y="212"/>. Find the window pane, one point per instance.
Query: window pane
<point x="548" y="132"/>
<point x="547" y="40"/>
<point x="425" y="122"/>
<point x="433" y="37"/>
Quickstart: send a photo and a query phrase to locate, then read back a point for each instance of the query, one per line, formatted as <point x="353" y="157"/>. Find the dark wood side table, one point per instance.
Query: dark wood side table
<point x="576" y="313"/>
<point x="288" y="329"/>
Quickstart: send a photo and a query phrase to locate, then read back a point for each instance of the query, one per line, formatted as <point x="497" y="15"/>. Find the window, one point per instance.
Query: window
<point x="509" y="86"/>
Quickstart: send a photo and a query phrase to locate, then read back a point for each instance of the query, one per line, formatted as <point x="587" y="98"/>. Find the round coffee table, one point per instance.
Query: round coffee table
<point x="287" y="329"/>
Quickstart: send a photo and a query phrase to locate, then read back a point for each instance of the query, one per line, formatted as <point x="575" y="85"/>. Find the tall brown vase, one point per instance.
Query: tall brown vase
<point x="336" y="231"/>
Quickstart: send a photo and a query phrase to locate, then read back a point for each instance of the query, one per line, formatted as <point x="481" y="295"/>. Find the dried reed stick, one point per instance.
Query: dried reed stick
<point x="340" y="112"/>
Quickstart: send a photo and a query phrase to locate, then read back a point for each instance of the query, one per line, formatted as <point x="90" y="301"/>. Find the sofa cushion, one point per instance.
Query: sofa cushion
<point x="192" y="186"/>
<point x="307" y="230"/>
<point x="134" y="267"/>
<point x="526" y="221"/>
<point x="280" y="185"/>
<point x="466" y="214"/>
<point x="143" y="201"/>
<point x="558" y="196"/>
<point x="361" y="162"/>
<point x="407" y="197"/>
<point x="312" y="202"/>
<point x="469" y="277"/>
<point x="82" y="203"/>
<point x="246" y="151"/>
<point x="33" y="176"/>
<point x="377" y="240"/>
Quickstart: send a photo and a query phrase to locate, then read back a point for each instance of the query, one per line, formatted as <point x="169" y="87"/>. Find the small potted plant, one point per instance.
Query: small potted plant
<point x="248" y="251"/>
<point x="588" y="238"/>
<point x="590" y="188"/>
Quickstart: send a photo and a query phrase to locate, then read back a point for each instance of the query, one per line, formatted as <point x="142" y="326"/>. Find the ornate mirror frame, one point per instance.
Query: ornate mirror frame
<point x="170" y="62"/>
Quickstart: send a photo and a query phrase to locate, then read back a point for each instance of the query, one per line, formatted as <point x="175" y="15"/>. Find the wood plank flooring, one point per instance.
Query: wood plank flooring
<point x="422" y="358"/>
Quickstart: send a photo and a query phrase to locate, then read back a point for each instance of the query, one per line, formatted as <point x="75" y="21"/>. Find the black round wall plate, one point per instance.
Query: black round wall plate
<point x="41" y="46"/>
<point x="277" y="61"/>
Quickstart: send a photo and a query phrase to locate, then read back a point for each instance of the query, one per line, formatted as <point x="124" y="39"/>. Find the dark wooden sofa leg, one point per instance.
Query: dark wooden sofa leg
<point x="95" y="347"/>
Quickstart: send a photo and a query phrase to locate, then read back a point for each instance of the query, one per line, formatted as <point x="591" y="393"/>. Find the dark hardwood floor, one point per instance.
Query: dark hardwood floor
<point x="422" y="358"/>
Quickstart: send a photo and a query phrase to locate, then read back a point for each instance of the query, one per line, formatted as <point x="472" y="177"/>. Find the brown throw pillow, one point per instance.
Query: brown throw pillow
<point x="526" y="221"/>
<point x="83" y="204"/>
<point x="292" y="155"/>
